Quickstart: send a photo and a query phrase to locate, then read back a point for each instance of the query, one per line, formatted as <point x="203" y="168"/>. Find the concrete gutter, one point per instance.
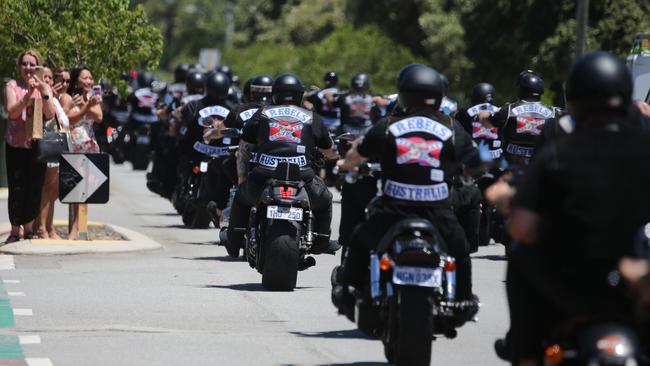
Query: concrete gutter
<point x="135" y="242"/>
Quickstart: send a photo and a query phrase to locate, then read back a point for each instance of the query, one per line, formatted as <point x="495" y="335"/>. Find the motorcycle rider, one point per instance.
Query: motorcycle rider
<point x="144" y="103"/>
<point x="577" y="210"/>
<point x="419" y="153"/>
<point x="322" y="106"/>
<point x="357" y="108"/>
<point x="194" y="117"/>
<point x="278" y="132"/>
<point x="521" y="122"/>
<point x="467" y="195"/>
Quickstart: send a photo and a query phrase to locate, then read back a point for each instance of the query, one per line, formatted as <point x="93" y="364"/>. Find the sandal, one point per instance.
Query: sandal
<point x="12" y="238"/>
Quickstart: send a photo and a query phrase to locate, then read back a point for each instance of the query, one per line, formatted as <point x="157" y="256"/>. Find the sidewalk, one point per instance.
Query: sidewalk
<point x="134" y="242"/>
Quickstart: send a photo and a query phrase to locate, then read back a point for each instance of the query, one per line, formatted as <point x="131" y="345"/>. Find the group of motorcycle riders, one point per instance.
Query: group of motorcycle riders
<point x="566" y="190"/>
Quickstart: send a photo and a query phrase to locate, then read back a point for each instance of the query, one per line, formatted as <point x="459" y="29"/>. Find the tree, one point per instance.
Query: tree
<point x="104" y="35"/>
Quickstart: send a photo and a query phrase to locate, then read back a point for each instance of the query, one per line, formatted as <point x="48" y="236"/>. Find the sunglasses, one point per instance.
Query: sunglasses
<point x="65" y="81"/>
<point x="28" y="64"/>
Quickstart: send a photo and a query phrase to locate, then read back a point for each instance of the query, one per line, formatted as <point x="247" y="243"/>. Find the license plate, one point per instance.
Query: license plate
<point x="284" y="213"/>
<point x="204" y="167"/>
<point x="143" y="140"/>
<point x="417" y="276"/>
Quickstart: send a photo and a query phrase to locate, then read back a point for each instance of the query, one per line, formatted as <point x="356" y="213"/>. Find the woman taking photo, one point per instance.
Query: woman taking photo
<point x="44" y="222"/>
<point x="83" y="110"/>
<point x="24" y="172"/>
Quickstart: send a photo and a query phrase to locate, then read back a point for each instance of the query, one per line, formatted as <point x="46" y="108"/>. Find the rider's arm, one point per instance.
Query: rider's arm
<point x="323" y="140"/>
<point x="498" y="119"/>
<point x="370" y="146"/>
<point x="243" y="158"/>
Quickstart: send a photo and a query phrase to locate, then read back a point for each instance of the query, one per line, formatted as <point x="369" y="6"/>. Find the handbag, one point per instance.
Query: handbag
<point x="52" y="145"/>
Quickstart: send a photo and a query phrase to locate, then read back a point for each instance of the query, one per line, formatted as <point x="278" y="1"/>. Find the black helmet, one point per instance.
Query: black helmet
<point x="360" y="82"/>
<point x="402" y="72"/>
<point x="180" y="73"/>
<point x="217" y="85"/>
<point x="247" y="90"/>
<point x="421" y="86"/>
<point x="261" y="89"/>
<point x="287" y="89"/>
<point x="226" y="70"/>
<point x="531" y="85"/>
<point x="483" y="93"/>
<point x="598" y="83"/>
<point x="331" y="79"/>
<point x="145" y="79"/>
<point x="195" y="82"/>
<point x="445" y="82"/>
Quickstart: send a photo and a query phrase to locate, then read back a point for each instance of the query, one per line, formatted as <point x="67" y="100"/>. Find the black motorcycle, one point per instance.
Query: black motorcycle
<point x="279" y="235"/>
<point x="602" y="341"/>
<point x="409" y="296"/>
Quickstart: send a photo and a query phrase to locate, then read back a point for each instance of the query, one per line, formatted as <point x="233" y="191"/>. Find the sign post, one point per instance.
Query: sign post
<point x="83" y="179"/>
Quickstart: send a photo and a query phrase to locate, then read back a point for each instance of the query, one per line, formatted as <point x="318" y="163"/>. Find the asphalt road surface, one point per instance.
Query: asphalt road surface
<point x="190" y="304"/>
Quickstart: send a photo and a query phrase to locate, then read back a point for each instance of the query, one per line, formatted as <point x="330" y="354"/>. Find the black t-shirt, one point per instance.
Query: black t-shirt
<point x="241" y="114"/>
<point x="286" y="133"/>
<point x="357" y="109"/>
<point x="590" y="190"/>
<point x="143" y="105"/>
<point x="419" y="155"/>
<point x="321" y="105"/>
<point x="191" y="131"/>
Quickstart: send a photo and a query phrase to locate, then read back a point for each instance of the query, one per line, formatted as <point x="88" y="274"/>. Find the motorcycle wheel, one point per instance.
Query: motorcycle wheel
<point x="188" y="215"/>
<point x="281" y="257"/>
<point x="201" y="218"/>
<point x="141" y="157"/>
<point x="413" y="328"/>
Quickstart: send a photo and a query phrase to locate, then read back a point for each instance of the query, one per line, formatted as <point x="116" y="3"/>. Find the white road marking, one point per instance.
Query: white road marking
<point x="11" y="281"/>
<point x="7" y="262"/>
<point x="38" y="362"/>
<point x="29" y="339"/>
<point x="16" y="293"/>
<point x="27" y="312"/>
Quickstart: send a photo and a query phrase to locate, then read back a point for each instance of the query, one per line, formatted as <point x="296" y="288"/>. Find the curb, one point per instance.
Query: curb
<point x="135" y="242"/>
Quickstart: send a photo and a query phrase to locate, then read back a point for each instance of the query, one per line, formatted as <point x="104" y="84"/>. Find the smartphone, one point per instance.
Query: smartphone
<point x="39" y="72"/>
<point x="97" y="90"/>
<point x="77" y="91"/>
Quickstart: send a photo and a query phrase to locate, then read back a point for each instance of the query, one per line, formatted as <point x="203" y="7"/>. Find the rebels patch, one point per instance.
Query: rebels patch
<point x="416" y="150"/>
<point x="530" y="125"/>
<point x="420" y="124"/>
<point x="285" y="131"/>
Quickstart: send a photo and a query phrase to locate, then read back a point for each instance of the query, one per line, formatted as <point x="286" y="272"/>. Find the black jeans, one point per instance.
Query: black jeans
<point x="466" y="200"/>
<point x="320" y="199"/>
<point x="354" y="199"/>
<point x="382" y="214"/>
<point x="25" y="177"/>
<point x="218" y="182"/>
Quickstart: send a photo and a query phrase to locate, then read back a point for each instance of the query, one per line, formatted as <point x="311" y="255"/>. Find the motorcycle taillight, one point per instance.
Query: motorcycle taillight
<point x="287" y="192"/>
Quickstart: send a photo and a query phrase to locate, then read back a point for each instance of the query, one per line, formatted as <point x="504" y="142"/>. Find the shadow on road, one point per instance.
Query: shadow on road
<point x="367" y="363"/>
<point x="157" y="214"/>
<point x="491" y="257"/>
<point x="250" y="287"/>
<point x="224" y="258"/>
<point x="340" y="334"/>
<point x="207" y="242"/>
<point x="174" y="226"/>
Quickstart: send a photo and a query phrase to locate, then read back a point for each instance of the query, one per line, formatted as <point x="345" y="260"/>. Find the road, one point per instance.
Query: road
<point x="189" y="304"/>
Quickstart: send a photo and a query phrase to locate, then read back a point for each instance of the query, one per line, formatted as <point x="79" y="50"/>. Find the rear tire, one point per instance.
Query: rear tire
<point x="411" y="342"/>
<point x="281" y="256"/>
<point x="141" y="157"/>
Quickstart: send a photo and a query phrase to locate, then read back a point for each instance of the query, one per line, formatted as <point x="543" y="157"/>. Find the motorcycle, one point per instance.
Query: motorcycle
<point x="409" y="292"/>
<point x="603" y="342"/>
<point x="279" y="235"/>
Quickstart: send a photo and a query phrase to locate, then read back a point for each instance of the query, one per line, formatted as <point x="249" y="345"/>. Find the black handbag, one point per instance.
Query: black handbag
<point x="52" y="145"/>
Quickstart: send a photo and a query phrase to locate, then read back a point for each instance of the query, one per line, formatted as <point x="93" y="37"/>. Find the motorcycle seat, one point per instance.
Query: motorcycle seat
<point x="404" y="226"/>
